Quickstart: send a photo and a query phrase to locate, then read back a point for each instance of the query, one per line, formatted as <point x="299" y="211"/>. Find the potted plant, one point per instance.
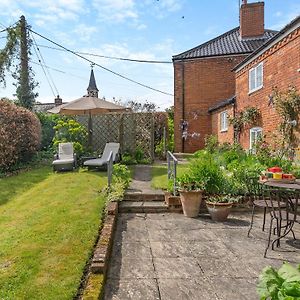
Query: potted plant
<point x="190" y="190"/>
<point x="219" y="206"/>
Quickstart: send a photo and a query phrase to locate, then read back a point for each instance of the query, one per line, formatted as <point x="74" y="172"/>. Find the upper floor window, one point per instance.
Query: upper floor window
<point x="256" y="78"/>
<point x="223" y="121"/>
<point x="255" y="135"/>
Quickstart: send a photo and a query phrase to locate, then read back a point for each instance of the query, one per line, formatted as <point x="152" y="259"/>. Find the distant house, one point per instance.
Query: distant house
<point x="43" y="107"/>
<point x="205" y="85"/>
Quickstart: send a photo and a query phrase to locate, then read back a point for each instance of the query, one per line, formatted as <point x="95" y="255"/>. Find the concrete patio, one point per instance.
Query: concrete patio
<point x="169" y="256"/>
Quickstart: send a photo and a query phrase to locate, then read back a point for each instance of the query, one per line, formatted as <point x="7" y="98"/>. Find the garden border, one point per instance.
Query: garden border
<point x="102" y="250"/>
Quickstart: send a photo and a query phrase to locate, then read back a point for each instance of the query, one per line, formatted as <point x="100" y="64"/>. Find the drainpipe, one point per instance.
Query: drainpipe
<point x="183" y="102"/>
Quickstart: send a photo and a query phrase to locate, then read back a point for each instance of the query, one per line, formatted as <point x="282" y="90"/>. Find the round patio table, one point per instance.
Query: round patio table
<point x="290" y="222"/>
<point x="280" y="184"/>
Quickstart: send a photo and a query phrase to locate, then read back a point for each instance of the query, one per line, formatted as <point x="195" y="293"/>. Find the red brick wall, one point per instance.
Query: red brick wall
<point x="280" y="69"/>
<point x="226" y="136"/>
<point x="205" y="83"/>
<point x="252" y="19"/>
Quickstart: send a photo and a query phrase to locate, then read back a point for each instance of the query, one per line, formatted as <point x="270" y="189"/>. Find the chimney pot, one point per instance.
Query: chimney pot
<point x="58" y="101"/>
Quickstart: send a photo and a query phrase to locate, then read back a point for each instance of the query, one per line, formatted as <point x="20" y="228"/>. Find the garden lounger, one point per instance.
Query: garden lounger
<point x="102" y="161"/>
<point x="65" y="159"/>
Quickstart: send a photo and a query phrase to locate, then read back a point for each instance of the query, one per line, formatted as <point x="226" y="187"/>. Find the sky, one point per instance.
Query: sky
<point x="134" y="29"/>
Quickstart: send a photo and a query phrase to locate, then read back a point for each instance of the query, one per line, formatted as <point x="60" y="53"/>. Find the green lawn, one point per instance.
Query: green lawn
<point x="48" y="225"/>
<point x="159" y="175"/>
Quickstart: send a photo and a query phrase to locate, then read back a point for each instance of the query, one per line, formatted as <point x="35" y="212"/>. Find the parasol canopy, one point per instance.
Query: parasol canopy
<point x="87" y="106"/>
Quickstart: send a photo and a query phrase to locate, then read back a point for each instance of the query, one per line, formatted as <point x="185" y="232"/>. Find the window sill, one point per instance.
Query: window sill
<point x="255" y="90"/>
<point x="224" y="130"/>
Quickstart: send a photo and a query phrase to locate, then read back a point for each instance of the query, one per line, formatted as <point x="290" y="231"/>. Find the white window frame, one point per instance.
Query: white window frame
<point x="223" y="121"/>
<point x="254" y="130"/>
<point x="254" y="71"/>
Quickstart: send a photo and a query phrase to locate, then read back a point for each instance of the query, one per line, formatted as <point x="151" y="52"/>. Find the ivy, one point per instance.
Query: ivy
<point x="287" y="105"/>
<point x="10" y="52"/>
<point x="249" y="116"/>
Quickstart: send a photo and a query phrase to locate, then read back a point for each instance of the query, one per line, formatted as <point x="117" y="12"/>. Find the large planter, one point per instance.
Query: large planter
<point x="219" y="211"/>
<point x="191" y="201"/>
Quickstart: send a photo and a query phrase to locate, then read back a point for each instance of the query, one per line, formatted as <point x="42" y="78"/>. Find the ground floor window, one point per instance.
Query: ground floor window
<point x="223" y="121"/>
<point x="255" y="135"/>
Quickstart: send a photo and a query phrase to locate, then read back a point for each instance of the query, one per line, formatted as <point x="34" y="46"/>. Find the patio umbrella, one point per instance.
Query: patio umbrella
<point x="87" y="106"/>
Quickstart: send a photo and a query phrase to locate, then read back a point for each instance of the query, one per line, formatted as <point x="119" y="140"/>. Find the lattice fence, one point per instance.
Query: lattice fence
<point x="131" y="130"/>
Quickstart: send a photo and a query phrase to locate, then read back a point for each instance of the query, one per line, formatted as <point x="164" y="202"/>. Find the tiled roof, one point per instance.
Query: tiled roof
<point x="43" y="107"/>
<point x="221" y="104"/>
<point x="278" y="35"/>
<point x="227" y="43"/>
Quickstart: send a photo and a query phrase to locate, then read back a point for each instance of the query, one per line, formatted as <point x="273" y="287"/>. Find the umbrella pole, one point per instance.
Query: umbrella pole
<point x="90" y="132"/>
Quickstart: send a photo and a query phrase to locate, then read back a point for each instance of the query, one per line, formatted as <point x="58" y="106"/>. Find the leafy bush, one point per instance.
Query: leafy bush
<point x="283" y="284"/>
<point x="189" y="182"/>
<point x="121" y="180"/>
<point x="121" y="173"/>
<point x="128" y="159"/>
<point x="68" y="130"/>
<point x="20" y="134"/>
<point x="47" y="122"/>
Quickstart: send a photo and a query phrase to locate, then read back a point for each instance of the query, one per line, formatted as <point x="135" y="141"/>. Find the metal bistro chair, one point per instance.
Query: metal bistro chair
<point x="285" y="216"/>
<point x="256" y="193"/>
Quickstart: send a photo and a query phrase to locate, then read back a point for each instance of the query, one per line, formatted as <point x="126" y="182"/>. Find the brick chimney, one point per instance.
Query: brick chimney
<point x="252" y="19"/>
<point x="57" y="101"/>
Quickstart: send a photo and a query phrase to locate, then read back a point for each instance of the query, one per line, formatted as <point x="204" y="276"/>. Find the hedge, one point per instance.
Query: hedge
<point x="20" y="135"/>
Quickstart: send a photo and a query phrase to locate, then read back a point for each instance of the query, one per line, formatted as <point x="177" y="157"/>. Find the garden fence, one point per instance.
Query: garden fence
<point x="132" y="130"/>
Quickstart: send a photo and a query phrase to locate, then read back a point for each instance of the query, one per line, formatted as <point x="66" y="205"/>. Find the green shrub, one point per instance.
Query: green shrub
<point x="128" y="159"/>
<point x="283" y="284"/>
<point x="68" y="130"/>
<point x="47" y="122"/>
<point x="139" y="154"/>
<point x="20" y="135"/>
<point x="121" y="173"/>
<point x="211" y="143"/>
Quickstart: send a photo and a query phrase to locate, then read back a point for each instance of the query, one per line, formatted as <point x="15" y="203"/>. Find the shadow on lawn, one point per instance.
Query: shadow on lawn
<point x="14" y="185"/>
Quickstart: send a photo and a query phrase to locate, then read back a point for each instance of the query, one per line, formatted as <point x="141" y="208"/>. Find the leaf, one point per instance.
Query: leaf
<point x="269" y="284"/>
<point x="289" y="273"/>
<point x="291" y="288"/>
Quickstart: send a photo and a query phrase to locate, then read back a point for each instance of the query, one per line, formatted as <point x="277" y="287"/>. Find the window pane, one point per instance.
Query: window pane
<point x="252" y="79"/>
<point x="259" y="75"/>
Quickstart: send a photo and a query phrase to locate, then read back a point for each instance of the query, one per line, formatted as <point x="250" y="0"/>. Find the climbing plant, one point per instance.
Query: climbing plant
<point x="10" y="61"/>
<point x="287" y="105"/>
<point x="248" y="116"/>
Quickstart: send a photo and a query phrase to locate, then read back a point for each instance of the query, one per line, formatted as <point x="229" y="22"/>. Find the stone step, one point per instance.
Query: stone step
<point x="143" y="207"/>
<point x="133" y="196"/>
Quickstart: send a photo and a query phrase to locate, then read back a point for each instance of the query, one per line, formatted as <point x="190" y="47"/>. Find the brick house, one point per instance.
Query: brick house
<point x="204" y="82"/>
<point x="274" y="65"/>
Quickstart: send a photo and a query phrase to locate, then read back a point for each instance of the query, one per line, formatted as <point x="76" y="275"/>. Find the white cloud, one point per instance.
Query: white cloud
<point x="84" y="32"/>
<point x="116" y="10"/>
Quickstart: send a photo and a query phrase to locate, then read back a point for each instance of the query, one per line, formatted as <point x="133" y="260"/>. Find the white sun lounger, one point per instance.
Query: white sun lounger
<point x="102" y="161"/>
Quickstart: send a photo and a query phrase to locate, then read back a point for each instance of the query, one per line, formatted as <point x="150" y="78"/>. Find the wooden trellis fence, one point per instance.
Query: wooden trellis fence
<point x="131" y="130"/>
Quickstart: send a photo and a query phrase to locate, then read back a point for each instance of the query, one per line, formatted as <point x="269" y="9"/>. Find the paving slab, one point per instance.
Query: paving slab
<point x="168" y="256"/>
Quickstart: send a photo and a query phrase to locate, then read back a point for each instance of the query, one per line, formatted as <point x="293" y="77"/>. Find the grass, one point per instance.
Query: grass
<point x="159" y="175"/>
<point x="48" y="226"/>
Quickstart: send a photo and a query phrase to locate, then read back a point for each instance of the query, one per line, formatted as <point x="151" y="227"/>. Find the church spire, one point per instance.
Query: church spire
<point x="92" y="88"/>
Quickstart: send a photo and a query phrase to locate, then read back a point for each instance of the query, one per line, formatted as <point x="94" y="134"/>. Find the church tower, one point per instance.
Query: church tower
<point x="92" y="90"/>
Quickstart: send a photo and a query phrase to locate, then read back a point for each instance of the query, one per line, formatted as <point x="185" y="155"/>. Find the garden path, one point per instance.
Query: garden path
<point x="168" y="256"/>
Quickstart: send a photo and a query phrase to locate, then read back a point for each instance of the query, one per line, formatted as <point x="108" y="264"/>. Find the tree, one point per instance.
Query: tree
<point x="17" y="48"/>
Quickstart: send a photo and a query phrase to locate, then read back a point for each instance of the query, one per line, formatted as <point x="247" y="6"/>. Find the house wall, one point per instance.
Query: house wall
<point x="281" y="65"/>
<point x="225" y="136"/>
<point x="199" y="84"/>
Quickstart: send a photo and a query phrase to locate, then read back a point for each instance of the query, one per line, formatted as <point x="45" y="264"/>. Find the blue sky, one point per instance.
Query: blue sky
<point x="136" y="29"/>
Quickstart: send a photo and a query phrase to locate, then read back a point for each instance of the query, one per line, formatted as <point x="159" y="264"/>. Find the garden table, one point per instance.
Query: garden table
<point x="287" y="193"/>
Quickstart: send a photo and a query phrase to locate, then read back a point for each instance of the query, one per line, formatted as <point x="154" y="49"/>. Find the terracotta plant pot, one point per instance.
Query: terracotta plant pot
<point x="191" y="201"/>
<point x="219" y="211"/>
